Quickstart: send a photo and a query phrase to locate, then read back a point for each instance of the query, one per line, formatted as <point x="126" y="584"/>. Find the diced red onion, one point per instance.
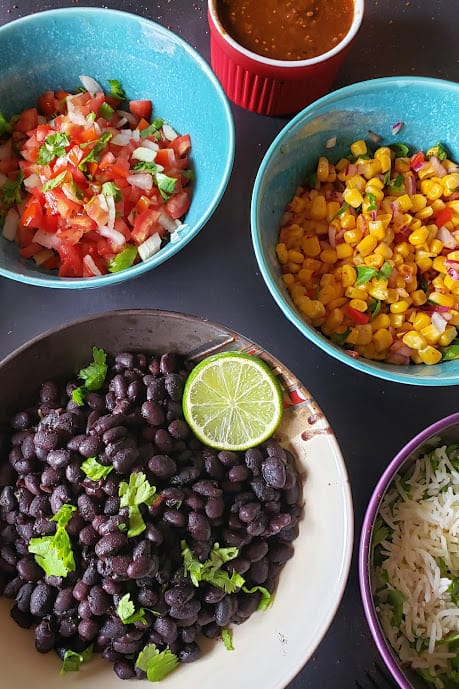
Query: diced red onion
<point x="351" y="169"/>
<point x="332" y="235"/>
<point x="445" y="236"/>
<point x="129" y="117"/>
<point x="90" y="265"/>
<point x="46" y="239"/>
<point x="142" y="180"/>
<point x="91" y="85"/>
<point x="168" y="132"/>
<point x="439" y="170"/>
<point x="396" y="128"/>
<point x="331" y="142"/>
<point x="113" y="235"/>
<point x="150" y="246"/>
<point x="410" y="183"/>
<point x="452" y="268"/>
<point x="438" y="321"/>
<point x="10" y="224"/>
<point x="374" y="215"/>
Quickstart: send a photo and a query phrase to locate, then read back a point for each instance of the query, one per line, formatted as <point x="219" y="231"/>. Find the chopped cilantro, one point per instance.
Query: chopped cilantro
<point x="227" y="638"/>
<point x="396" y="599"/>
<point x="210" y="570"/>
<point x="133" y="494"/>
<point x="157" y="664"/>
<point x="371" y="202"/>
<point x="72" y="660"/>
<point x="152" y="128"/>
<point x="451" y="352"/>
<point x="365" y="274"/>
<point x="78" y="395"/>
<point x="94" y="374"/>
<point x="94" y="470"/>
<point x="380" y="533"/>
<point x="374" y="307"/>
<point x="266" y="596"/>
<point x="106" y="111"/>
<point x="385" y="271"/>
<point x="400" y="150"/>
<point x="165" y="184"/>
<point x="124" y="259"/>
<point x="143" y="166"/>
<point x="438" y="150"/>
<point x="54" y="181"/>
<point x="112" y="189"/>
<point x="5" y="126"/>
<point x="116" y="90"/>
<point x="342" y="210"/>
<point x="11" y="190"/>
<point x="396" y="182"/>
<point x="127" y="613"/>
<point x="54" y="553"/>
<point x="97" y="147"/>
<point x="54" y="146"/>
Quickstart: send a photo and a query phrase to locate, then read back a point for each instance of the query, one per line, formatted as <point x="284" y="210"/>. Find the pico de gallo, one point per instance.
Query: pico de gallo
<point x="90" y="182"/>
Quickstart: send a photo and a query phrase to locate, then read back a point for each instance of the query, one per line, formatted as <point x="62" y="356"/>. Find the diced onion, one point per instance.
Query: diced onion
<point x="46" y="239"/>
<point x="150" y="246"/>
<point x="438" y="321"/>
<point x="70" y="193"/>
<point x="129" y="117"/>
<point x="440" y="171"/>
<point x="396" y="128"/>
<point x="123" y="138"/>
<point x="10" y="224"/>
<point x="144" y="153"/>
<point x="90" y="265"/>
<point x="142" y="180"/>
<point x="32" y="181"/>
<point x="445" y="236"/>
<point x="111" y="211"/>
<point x="168" y="132"/>
<point x="146" y="143"/>
<point x="167" y="222"/>
<point x="180" y="229"/>
<point x="331" y="142"/>
<point x="113" y="235"/>
<point x="91" y="85"/>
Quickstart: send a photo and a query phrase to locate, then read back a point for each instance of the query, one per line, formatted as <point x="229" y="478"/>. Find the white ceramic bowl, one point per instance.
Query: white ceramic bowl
<point x="272" y="646"/>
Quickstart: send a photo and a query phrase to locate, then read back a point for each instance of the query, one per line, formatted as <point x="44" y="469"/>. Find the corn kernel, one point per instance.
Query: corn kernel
<point x="420" y="320"/>
<point x="378" y="289"/>
<point x="418" y="297"/>
<point x="367" y="245"/>
<point x="397" y="320"/>
<point x="358" y="305"/>
<point x="392" y="295"/>
<point x="343" y="250"/>
<point x="332" y="209"/>
<point x="353" y="236"/>
<point x="376" y="228"/>
<point x="348" y="275"/>
<point x="442" y="299"/>
<point x="438" y="264"/>
<point x="383" y="154"/>
<point x="429" y="355"/>
<point x="359" y="148"/>
<point x="436" y="246"/>
<point x="450" y="182"/>
<point x="402" y="164"/>
<point x="311" y="246"/>
<point x="454" y="320"/>
<point x="356" y="292"/>
<point x="384" y="250"/>
<point x="432" y="189"/>
<point x="404" y="249"/>
<point x="364" y="334"/>
<point x="305" y="275"/>
<point x="418" y="202"/>
<point x="295" y="256"/>
<point x="414" y="340"/>
<point x="404" y="203"/>
<point x="297" y="290"/>
<point x="382" y="339"/>
<point x="288" y="279"/>
<point x="369" y="168"/>
<point x="424" y="213"/>
<point x="347" y="221"/>
<point x="399" y="306"/>
<point x="312" y="308"/>
<point x="447" y="336"/>
<point x="353" y="197"/>
<point x="382" y="320"/>
<point x="319" y="208"/>
<point x="356" y="182"/>
<point x="334" y="319"/>
<point x="328" y="256"/>
<point x="374" y="261"/>
<point x="431" y="334"/>
<point x="322" y="169"/>
<point x="282" y="253"/>
<point x="328" y="293"/>
<point x="337" y="303"/>
<point x="293" y="267"/>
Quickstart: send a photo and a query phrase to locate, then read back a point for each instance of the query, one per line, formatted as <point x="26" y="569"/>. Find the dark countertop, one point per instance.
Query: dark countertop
<point x="371" y="419"/>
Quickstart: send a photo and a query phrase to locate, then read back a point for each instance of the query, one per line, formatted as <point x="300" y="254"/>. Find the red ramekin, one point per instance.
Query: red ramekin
<point x="274" y="87"/>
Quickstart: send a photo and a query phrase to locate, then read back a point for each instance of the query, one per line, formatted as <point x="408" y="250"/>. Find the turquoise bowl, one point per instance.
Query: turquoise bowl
<point x="50" y="50"/>
<point x="429" y="110"/>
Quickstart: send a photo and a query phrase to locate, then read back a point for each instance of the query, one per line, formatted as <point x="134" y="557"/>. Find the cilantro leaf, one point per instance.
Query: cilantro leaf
<point x="72" y="660"/>
<point x="156" y="664"/>
<point x="341" y="210"/>
<point x="5" y="126"/>
<point x="94" y="374"/>
<point x="127" y="613"/>
<point x="54" y="182"/>
<point x="453" y="589"/>
<point x="385" y="270"/>
<point x="340" y="338"/>
<point x="11" y="190"/>
<point x="266" y="596"/>
<point x="227" y="638"/>
<point x="133" y="494"/>
<point x="94" y="470"/>
<point x="365" y="274"/>
<point x="396" y="182"/>
<point x="374" y="307"/>
<point x="143" y="166"/>
<point x="438" y="150"/>
<point x="210" y="570"/>
<point x="78" y="395"/>
<point x="400" y="150"/>
<point x="396" y="599"/>
<point x="112" y="189"/>
<point x="98" y="147"/>
<point x="372" y="201"/>
<point x="116" y="90"/>
<point x="165" y="184"/>
<point x="54" y="553"/>
<point x="106" y="111"/>
<point x="152" y="129"/>
<point x="53" y="147"/>
<point x="124" y="259"/>
<point x="452" y="352"/>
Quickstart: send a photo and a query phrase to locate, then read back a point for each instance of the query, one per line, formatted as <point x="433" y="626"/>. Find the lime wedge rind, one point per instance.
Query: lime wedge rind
<point x="232" y="401"/>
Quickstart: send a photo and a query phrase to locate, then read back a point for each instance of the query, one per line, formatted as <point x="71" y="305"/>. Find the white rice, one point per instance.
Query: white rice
<point x="422" y="513"/>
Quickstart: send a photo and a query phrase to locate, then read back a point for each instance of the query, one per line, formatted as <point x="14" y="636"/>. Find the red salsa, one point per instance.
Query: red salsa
<point x="287" y="29"/>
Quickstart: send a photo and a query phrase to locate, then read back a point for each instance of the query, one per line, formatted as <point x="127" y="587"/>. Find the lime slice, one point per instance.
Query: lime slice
<point x="232" y="401"/>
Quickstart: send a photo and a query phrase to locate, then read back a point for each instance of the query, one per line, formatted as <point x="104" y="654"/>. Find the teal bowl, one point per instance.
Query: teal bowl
<point x="429" y="110"/>
<point x="50" y="50"/>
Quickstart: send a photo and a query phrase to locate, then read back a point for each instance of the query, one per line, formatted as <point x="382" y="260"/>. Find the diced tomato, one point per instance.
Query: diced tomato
<point x="417" y="160"/>
<point x="47" y="104"/>
<point x="178" y="204"/>
<point x="24" y="235"/>
<point x="30" y="250"/>
<point x="145" y="224"/>
<point x="181" y="144"/>
<point x="71" y="260"/>
<point x="358" y="317"/>
<point x="443" y="216"/>
<point x="60" y="204"/>
<point x="28" y="119"/>
<point x="165" y="157"/>
<point x="70" y="235"/>
<point x="141" y="108"/>
<point x="33" y="214"/>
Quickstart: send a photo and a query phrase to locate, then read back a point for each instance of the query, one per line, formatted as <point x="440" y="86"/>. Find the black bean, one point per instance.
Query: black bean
<point x="179" y="594"/>
<point x="60" y="496"/>
<point x="213" y="594"/>
<point x="141" y="567"/>
<point x="208" y="488"/>
<point x="280" y="552"/>
<point x="273" y="471"/>
<point x="179" y="429"/>
<point x="124" y="459"/>
<point x="215" y="507"/>
<point x="44" y="637"/>
<point x="279" y="522"/>
<point x="186" y="476"/>
<point x="253" y="459"/>
<point x="22" y="420"/>
<point x="169" y="363"/>
<point x="256" y="550"/>
<point x="189" y="653"/>
<point x="198" y="526"/>
<point x="119" y="564"/>
<point x="98" y="600"/>
<point x="68" y="626"/>
<point x="88" y="629"/>
<point x="114" y="434"/>
<point x="249" y="511"/>
<point x="87" y="507"/>
<point x="124" y="669"/>
<point x="111" y="544"/>
<point x="50" y="477"/>
<point x="259" y="570"/>
<point x="8" y="499"/>
<point x="23" y="597"/>
<point x="224" y="610"/>
<point x="162" y="466"/>
<point x="41" y="600"/>
<point x="28" y="569"/>
<point x="156" y="389"/>
<point x="164" y="441"/>
<point x="263" y="492"/>
<point x="228" y="459"/>
<point x="166" y="628"/>
<point x="32" y="483"/>
<point x="258" y="525"/>
<point x="64" y="603"/>
<point x="239" y="473"/>
<point x="174" y="518"/>
<point x="28" y="447"/>
<point x="185" y="610"/>
<point x="46" y="439"/>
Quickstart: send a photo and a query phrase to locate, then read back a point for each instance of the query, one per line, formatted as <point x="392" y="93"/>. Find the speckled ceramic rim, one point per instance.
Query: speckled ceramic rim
<point x="333" y="100"/>
<point x="291" y="64"/>
<point x="172" y="248"/>
<point x="365" y="540"/>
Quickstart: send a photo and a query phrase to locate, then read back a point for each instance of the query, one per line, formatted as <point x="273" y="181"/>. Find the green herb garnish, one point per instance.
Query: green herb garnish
<point x="156" y="664"/>
<point x="127" y="613"/>
<point x="210" y="570"/>
<point x="124" y="259"/>
<point x="112" y="189"/>
<point x="165" y="184"/>
<point x="438" y="150"/>
<point x="266" y="596"/>
<point x="93" y="375"/>
<point x="53" y="147"/>
<point x="97" y="147"/>
<point x="72" y="660"/>
<point x="133" y="494"/>
<point x="152" y="129"/>
<point x="227" y="638"/>
<point x="143" y="166"/>
<point x="396" y="599"/>
<point x="54" y="182"/>
<point x="94" y="470"/>
<point x="400" y="150"/>
<point x="106" y="111"/>
<point x="341" y="210"/>
<point x="54" y="553"/>
<point x="116" y="90"/>
<point x="372" y="202"/>
<point x="11" y="190"/>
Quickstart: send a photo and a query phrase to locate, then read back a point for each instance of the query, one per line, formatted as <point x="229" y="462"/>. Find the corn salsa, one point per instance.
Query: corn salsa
<point x="287" y="29"/>
<point x="369" y="249"/>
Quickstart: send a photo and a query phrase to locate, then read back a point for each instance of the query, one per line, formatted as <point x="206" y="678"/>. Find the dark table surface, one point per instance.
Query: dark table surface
<point x="371" y="419"/>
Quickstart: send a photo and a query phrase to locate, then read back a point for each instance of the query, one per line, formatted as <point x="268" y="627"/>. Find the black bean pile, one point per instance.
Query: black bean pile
<point x="135" y="424"/>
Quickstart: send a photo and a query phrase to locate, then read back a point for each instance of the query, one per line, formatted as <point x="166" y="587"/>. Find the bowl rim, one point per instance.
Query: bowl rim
<point x="377" y="495"/>
<point x="347" y="548"/>
<point x="333" y="99"/>
<point x="42" y="280"/>
<point x="215" y="22"/>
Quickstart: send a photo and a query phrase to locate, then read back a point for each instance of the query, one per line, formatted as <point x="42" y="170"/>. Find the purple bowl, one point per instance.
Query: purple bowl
<point x="447" y="429"/>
